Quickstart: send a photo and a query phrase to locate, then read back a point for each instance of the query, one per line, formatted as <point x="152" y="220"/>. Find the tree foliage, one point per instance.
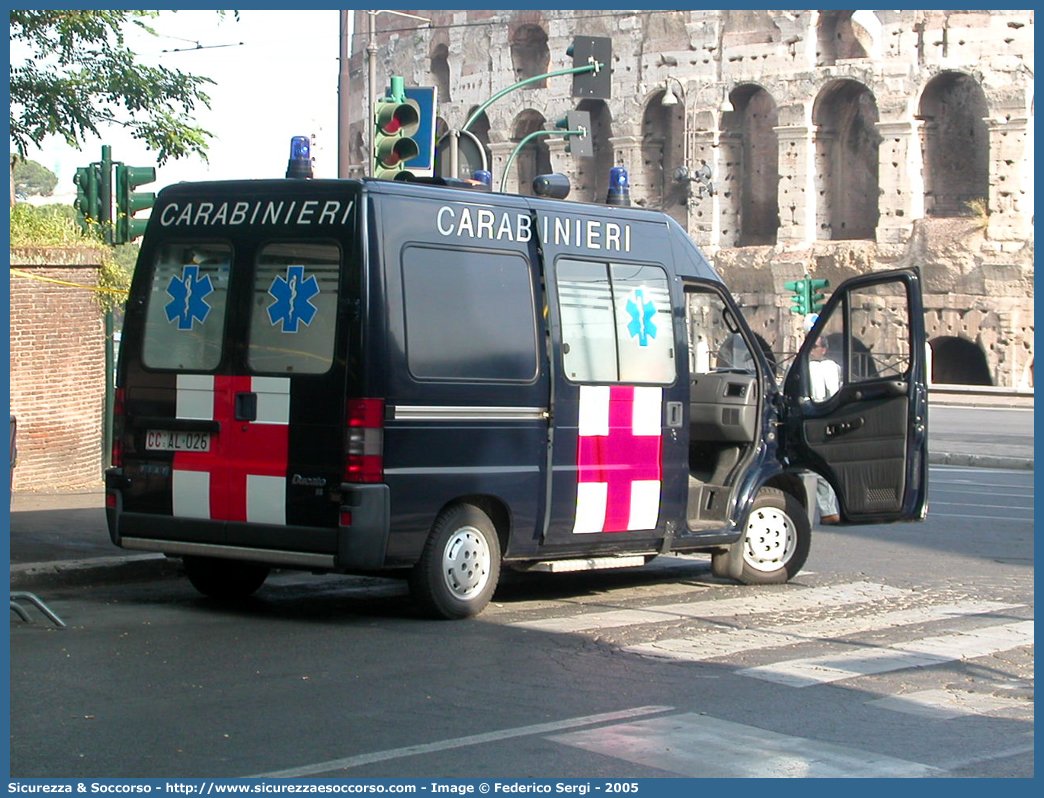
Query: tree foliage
<point x="33" y="180"/>
<point x="78" y="74"/>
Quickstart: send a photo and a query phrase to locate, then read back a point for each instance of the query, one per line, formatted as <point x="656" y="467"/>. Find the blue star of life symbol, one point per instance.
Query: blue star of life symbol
<point x="293" y="299"/>
<point x="642" y="312"/>
<point x="188" y="294"/>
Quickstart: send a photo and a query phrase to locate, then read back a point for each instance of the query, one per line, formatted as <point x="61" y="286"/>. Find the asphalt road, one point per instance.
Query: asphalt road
<point x="902" y="650"/>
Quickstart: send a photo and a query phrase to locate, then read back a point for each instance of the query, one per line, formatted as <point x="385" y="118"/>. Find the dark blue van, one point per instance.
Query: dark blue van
<point x="356" y="376"/>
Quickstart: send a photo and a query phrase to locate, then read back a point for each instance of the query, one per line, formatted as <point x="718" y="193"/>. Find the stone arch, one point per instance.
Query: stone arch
<point x="839" y="37"/>
<point x="956" y="145"/>
<point x="663" y="151"/>
<point x="534" y="158"/>
<point x="440" y="72"/>
<point x="593" y="173"/>
<point x="956" y="361"/>
<point x="847" y="151"/>
<point x="750" y="189"/>
<point x="529" y="54"/>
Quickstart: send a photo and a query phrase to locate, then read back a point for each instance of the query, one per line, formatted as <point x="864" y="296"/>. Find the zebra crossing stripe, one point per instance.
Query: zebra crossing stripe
<point x="913" y="654"/>
<point x="764" y="601"/>
<point x="701" y="746"/>
<point x="725" y="642"/>
<point x="946" y="704"/>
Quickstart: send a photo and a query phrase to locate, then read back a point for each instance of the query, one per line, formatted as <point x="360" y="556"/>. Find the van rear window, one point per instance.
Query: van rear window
<point x="185" y="318"/>
<point x="293" y="315"/>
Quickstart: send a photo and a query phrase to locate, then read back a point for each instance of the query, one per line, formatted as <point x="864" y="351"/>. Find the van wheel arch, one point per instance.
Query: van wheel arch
<point x="492" y="506"/>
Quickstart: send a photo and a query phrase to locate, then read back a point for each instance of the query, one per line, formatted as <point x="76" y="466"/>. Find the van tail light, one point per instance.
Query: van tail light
<point x="119" y="412"/>
<point x="365" y="446"/>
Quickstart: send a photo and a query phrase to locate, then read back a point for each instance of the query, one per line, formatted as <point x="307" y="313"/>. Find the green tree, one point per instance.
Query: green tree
<point x="32" y="179"/>
<point x="71" y="72"/>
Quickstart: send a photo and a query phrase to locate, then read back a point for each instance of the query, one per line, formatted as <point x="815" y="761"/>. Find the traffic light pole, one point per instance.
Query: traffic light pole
<point x="525" y="141"/>
<point x="592" y="67"/>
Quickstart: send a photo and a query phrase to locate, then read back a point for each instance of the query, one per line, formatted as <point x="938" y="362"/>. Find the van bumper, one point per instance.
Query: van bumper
<point x="360" y="545"/>
<point x="363" y="544"/>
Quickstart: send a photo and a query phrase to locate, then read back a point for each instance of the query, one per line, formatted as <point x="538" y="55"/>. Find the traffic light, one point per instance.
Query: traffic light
<point x="427" y="100"/>
<point x="128" y="202"/>
<point x="579" y="144"/>
<point x="598" y="82"/>
<point x="87" y="201"/>
<point x="396" y="120"/>
<point x="815" y="297"/>
<point x="800" y="289"/>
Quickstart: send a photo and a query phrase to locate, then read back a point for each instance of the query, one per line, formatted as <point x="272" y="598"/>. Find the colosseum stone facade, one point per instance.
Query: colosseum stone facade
<point x="837" y="142"/>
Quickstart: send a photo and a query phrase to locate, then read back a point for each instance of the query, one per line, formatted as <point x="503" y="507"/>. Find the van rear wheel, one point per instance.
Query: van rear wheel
<point x="460" y="566"/>
<point x="775" y="542"/>
<point x="225" y="580"/>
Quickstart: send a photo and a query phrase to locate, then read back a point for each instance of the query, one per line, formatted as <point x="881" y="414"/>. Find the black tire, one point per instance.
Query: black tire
<point x="720" y="564"/>
<point x="225" y="580"/>
<point x="458" y="571"/>
<point x="775" y="542"/>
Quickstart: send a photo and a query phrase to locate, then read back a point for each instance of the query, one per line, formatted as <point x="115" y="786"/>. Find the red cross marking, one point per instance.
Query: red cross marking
<point x="619" y="458"/>
<point x="240" y="449"/>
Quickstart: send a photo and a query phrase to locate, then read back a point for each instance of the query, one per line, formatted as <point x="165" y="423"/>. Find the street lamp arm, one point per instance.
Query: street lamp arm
<point x="524" y="142"/>
<point x="592" y="67"/>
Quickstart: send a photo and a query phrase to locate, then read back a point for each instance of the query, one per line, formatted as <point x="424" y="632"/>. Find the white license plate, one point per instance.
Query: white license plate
<point x="162" y="440"/>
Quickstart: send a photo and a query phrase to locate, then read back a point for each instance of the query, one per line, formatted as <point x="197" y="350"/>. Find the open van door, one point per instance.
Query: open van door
<point x="856" y="399"/>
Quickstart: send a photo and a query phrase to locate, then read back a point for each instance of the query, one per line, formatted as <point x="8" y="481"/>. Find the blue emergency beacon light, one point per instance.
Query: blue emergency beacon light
<point x="300" y="164"/>
<point x="619" y="187"/>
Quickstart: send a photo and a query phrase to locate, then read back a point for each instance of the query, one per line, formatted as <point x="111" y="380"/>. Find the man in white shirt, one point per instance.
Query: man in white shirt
<point x="825" y="380"/>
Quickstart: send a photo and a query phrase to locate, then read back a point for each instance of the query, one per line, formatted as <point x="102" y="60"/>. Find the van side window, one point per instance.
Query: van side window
<point x="293" y="313"/>
<point x="875" y="351"/>
<point x="715" y="342"/>
<point x="469" y="314"/>
<point x="616" y="322"/>
<point x="185" y="316"/>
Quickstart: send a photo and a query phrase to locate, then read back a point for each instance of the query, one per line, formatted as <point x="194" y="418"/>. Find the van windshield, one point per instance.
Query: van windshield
<point x="185" y="317"/>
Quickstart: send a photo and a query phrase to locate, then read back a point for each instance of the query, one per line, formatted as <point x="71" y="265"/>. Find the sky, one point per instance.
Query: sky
<point x="275" y="76"/>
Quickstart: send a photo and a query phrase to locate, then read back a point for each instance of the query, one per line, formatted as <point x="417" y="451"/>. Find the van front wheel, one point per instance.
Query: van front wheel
<point x="460" y="566"/>
<point x="776" y="540"/>
<point x="225" y="579"/>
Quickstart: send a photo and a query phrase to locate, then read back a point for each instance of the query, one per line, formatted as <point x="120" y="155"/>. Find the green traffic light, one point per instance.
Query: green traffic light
<point x="815" y="296"/>
<point x="129" y="202"/>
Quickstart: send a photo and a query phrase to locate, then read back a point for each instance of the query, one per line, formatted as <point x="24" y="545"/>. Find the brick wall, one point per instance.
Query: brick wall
<point x="57" y="369"/>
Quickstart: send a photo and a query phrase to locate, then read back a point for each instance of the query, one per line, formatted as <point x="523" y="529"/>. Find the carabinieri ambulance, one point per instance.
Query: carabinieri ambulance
<point x="361" y="376"/>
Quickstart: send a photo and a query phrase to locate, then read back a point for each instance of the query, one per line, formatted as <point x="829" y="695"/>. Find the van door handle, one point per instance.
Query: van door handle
<point x="674" y="414"/>
<point x="246" y="406"/>
<point x="842" y="427"/>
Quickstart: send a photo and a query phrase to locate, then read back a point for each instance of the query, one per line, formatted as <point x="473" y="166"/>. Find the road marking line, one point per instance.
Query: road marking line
<point x="459" y="742"/>
<point x="914" y="654"/>
<point x="947" y="704"/>
<point x="700" y="746"/>
<point x="935" y="514"/>
<point x="761" y="602"/>
<point x="725" y="642"/>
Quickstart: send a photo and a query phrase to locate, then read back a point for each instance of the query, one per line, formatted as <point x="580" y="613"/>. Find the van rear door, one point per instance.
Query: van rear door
<point x="233" y="372"/>
<point x="867" y="432"/>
